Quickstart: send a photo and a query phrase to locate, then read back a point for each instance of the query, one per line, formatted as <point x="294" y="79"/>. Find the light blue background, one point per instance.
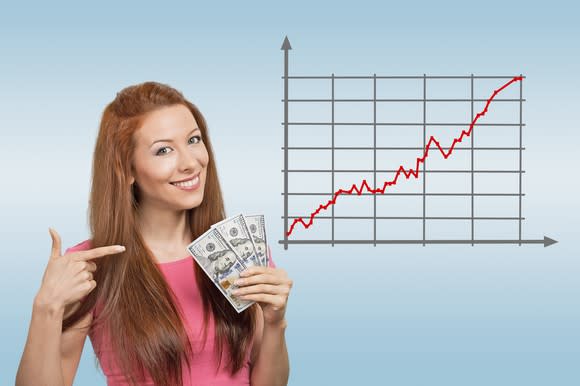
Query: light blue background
<point x="398" y="315"/>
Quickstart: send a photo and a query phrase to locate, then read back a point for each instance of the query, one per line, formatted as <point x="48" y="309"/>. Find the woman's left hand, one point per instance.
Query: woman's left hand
<point x="269" y="287"/>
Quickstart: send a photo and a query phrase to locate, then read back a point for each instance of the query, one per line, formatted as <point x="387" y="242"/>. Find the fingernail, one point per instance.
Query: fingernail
<point x="238" y="282"/>
<point x="119" y="248"/>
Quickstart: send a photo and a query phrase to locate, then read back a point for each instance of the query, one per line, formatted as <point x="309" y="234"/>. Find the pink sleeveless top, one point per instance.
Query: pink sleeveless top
<point x="180" y="277"/>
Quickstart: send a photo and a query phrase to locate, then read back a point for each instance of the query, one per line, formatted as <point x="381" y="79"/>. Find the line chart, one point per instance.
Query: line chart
<point x="430" y="143"/>
<point x="407" y="173"/>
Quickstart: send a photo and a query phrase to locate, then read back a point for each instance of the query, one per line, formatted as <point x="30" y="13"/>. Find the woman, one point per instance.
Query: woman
<point x="153" y="316"/>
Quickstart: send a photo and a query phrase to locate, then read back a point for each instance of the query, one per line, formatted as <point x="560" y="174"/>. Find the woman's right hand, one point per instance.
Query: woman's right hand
<point x="69" y="278"/>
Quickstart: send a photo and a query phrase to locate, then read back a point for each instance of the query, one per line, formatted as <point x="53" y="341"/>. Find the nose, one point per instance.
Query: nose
<point x="189" y="161"/>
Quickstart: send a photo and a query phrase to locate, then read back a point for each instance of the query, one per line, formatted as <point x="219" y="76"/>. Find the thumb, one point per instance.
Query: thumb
<point x="55" y="252"/>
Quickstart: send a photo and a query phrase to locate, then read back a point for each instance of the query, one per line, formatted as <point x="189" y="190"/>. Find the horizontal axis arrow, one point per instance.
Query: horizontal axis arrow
<point x="546" y="241"/>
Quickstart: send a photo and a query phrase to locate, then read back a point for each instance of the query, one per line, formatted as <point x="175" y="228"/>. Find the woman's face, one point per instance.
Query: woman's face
<point x="169" y="148"/>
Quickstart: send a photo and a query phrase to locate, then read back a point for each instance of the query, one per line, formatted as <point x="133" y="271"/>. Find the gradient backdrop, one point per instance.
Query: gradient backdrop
<point x="392" y="315"/>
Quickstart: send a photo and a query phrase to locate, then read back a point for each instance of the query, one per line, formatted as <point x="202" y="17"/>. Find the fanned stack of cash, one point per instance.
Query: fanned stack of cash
<point x="228" y="248"/>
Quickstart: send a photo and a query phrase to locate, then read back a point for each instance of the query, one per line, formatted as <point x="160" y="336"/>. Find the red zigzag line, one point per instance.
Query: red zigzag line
<point x="410" y="172"/>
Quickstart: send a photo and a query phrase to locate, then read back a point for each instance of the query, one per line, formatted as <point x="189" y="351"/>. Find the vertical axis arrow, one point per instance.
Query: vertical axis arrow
<point x="286" y="46"/>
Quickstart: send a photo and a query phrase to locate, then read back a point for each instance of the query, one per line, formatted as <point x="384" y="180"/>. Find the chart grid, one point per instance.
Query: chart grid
<point x="421" y="171"/>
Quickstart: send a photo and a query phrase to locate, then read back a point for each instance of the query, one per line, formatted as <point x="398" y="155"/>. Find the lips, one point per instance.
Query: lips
<point x="188" y="185"/>
<point x="187" y="179"/>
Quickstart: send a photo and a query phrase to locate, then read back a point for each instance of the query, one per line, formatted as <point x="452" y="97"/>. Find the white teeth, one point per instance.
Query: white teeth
<point x="187" y="183"/>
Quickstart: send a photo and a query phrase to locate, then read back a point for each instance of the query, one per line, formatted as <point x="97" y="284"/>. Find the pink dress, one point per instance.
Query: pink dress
<point x="181" y="278"/>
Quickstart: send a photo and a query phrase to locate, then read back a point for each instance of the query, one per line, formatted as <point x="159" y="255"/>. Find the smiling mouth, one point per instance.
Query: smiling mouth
<point x="187" y="184"/>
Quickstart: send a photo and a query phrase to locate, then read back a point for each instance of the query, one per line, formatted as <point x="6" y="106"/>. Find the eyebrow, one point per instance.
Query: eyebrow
<point x="170" y="140"/>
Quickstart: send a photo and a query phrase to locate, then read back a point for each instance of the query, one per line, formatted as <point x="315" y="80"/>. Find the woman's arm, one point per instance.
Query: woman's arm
<point x="41" y="360"/>
<point x="269" y="354"/>
<point x="51" y="357"/>
<point x="270" y="288"/>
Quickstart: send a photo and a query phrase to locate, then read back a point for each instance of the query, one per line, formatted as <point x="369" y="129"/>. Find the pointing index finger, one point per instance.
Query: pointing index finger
<point x="99" y="252"/>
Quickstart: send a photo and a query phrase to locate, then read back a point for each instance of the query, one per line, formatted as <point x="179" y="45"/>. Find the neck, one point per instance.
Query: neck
<point x="161" y="228"/>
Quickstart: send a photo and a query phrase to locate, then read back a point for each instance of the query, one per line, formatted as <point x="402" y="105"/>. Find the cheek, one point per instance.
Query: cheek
<point x="205" y="157"/>
<point x="156" y="170"/>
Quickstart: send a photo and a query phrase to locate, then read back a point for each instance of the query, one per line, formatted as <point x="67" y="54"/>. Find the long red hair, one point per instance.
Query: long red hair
<point x="130" y="284"/>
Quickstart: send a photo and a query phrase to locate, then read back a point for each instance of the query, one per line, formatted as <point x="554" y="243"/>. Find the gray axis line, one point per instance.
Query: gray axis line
<point x="394" y="171"/>
<point x="520" y="156"/>
<point x="409" y="218"/>
<point x="374" y="156"/>
<point x="413" y="194"/>
<point x="403" y="100"/>
<point x="398" y="124"/>
<point x="332" y="167"/>
<point x="394" y="148"/>
<point x="406" y="77"/>
<point x="286" y="46"/>
<point x="425" y="157"/>
<point x="472" y="143"/>
<point x="546" y="241"/>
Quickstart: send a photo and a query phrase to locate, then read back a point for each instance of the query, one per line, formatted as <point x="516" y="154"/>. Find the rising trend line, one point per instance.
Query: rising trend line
<point x="410" y="172"/>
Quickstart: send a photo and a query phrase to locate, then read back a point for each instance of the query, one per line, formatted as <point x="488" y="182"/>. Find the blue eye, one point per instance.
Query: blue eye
<point x="198" y="138"/>
<point x="159" y="152"/>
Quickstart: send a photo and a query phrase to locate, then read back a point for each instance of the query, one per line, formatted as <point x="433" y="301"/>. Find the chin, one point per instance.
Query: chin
<point x="194" y="203"/>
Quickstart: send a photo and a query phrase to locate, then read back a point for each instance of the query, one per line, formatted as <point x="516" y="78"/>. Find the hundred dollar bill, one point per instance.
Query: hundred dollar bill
<point x="257" y="228"/>
<point x="220" y="263"/>
<point x="235" y="232"/>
